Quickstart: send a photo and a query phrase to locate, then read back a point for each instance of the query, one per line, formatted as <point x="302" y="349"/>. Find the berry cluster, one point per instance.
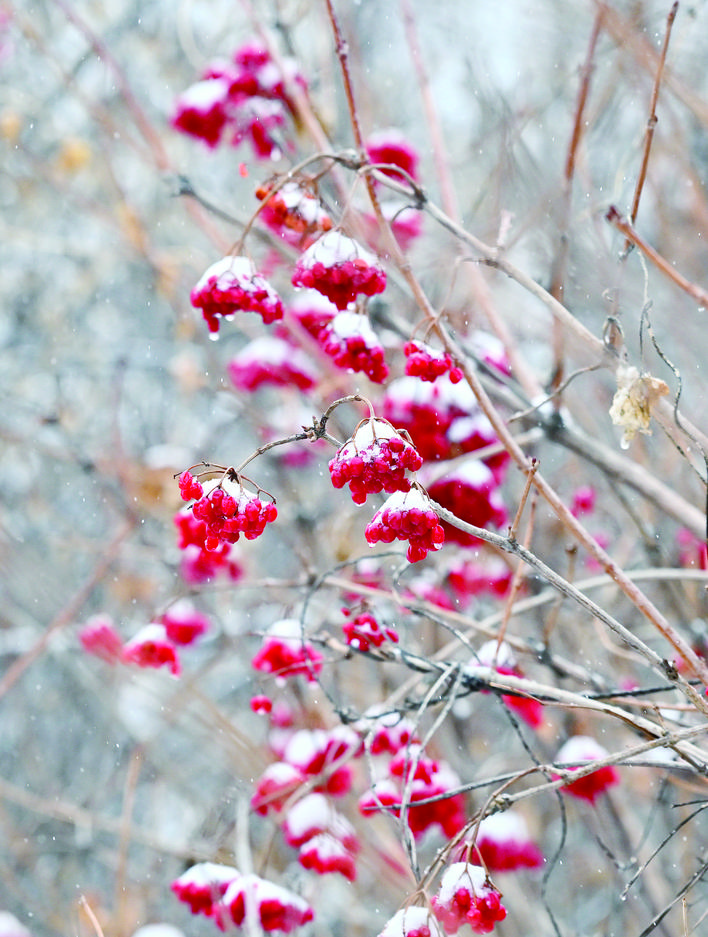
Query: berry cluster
<point x="228" y="511"/>
<point x="203" y="885"/>
<point x="313" y="311"/>
<point x="428" y="364"/>
<point x="247" y="96"/>
<point x="151" y="647"/>
<point x="284" y="653"/>
<point x="471" y="492"/>
<point x="423" y="779"/>
<point x="581" y="750"/>
<point x="391" y="148"/>
<point x="503" y="844"/>
<point x="467" y="897"/>
<point x="271" y="361"/>
<point x="363" y="632"/>
<point x="407" y="516"/>
<point x="501" y="658"/>
<point x="293" y="210"/>
<point x="251" y="897"/>
<point x="351" y="342"/>
<point x="340" y="269"/>
<point x="375" y="459"/>
<point x="232" y="285"/>
<point x="198" y="563"/>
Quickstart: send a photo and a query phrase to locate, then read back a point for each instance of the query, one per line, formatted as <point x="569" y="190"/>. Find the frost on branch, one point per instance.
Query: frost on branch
<point x="375" y="459"/>
<point x="634" y="399"/>
<point x="232" y="285"/>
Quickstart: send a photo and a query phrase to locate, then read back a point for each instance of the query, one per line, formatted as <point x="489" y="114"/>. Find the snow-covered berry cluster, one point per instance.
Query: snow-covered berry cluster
<point x="198" y="563"/>
<point x="245" y="99"/>
<point x="390" y="148"/>
<point x="363" y="631"/>
<point x="340" y="269"/>
<point x="293" y="213"/>
<point x="503" y="844"/>
<point x="271" y="361"/>
<point x="581" y="750"/>
<point x="375" y="459"/>
<point x="232" y="285"/>
<point x="412" y="922"/>
<point x="501" y="658"/>
<point x="353" y="345"/>
<point x="471" y="492"/>
<point x="411" y="780"/>
<point x="407" y="516"/>
<point x="428" y="364"/>
<point x="467" y="897"/>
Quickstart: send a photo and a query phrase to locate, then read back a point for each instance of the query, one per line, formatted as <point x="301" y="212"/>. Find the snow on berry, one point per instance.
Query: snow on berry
<point x="470" y="492"/>
<point x="202" y="111"/>
<point x="407" y="516"/>
<point x="340" y="269"/>
<point x="504" y="844"/>
<point x="375" y="459"/>
<point x="351" y="342"/>
<point x="257" y="119"/>
<point x="325" y="853"/>
<point x="275" y="786"/>
<point x="392" y="734"/>
<point x="99" y="637"/>
<point x="261" y="705"/>
<point x="579" y="751"/>
<point x="151" y="647"/>
<point x="313" y="816"/>
<point x="232" y="285"/>
<point x="412" y="922"/>
<point x="467" y="897"/>
<point x="228" y="510"/>
<point x="273" y="361"/>
<point x="484" y="574"/>
<point x="363" y="631"/>
<point x="250" y="897"/>
<point x="183" y="623"/>
<point x="284" y="653"/>
<point x="428" y="364"/>
<point x="391" y="148"/>
<point x="202" y="885"/>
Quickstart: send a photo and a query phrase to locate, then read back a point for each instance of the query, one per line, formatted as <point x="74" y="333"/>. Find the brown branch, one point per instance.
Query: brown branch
<point x="651" y="123"/>
<point x="660" y="262"/>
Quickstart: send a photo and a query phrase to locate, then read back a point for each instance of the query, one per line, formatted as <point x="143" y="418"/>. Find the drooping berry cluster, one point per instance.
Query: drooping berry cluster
<point x="407" y="516"/>
<point x="471" y="492"/>
<point x="232" y="285"/>
<point x="272" y="361"/>
<point x="246" y="98"/>
<point x="578" y="751"/>
<point x="503" y="844"/>
<point x="363" y="632"/>
<point x="467" y="897"/>
<point x="227" y="511"/>
<point x="391" y="148"/>
<point x="273" y="907"/>
<point x="198" y="563"/>
<point x="293" y="211"/>
<point x="428" y="364"/>
<point x="414" y="781"/>
<point x="353" y="345"/>
<point x="501" y="658"/>
<point x="375" y="459"/>
<point x="284" y="653"/>
<point x="340" y="269"/>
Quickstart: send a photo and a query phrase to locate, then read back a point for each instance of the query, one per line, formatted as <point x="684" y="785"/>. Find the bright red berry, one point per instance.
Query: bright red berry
<point x="232" y="285"/>
<point x="340" y="269"/>
<point x="375" y="459"/>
